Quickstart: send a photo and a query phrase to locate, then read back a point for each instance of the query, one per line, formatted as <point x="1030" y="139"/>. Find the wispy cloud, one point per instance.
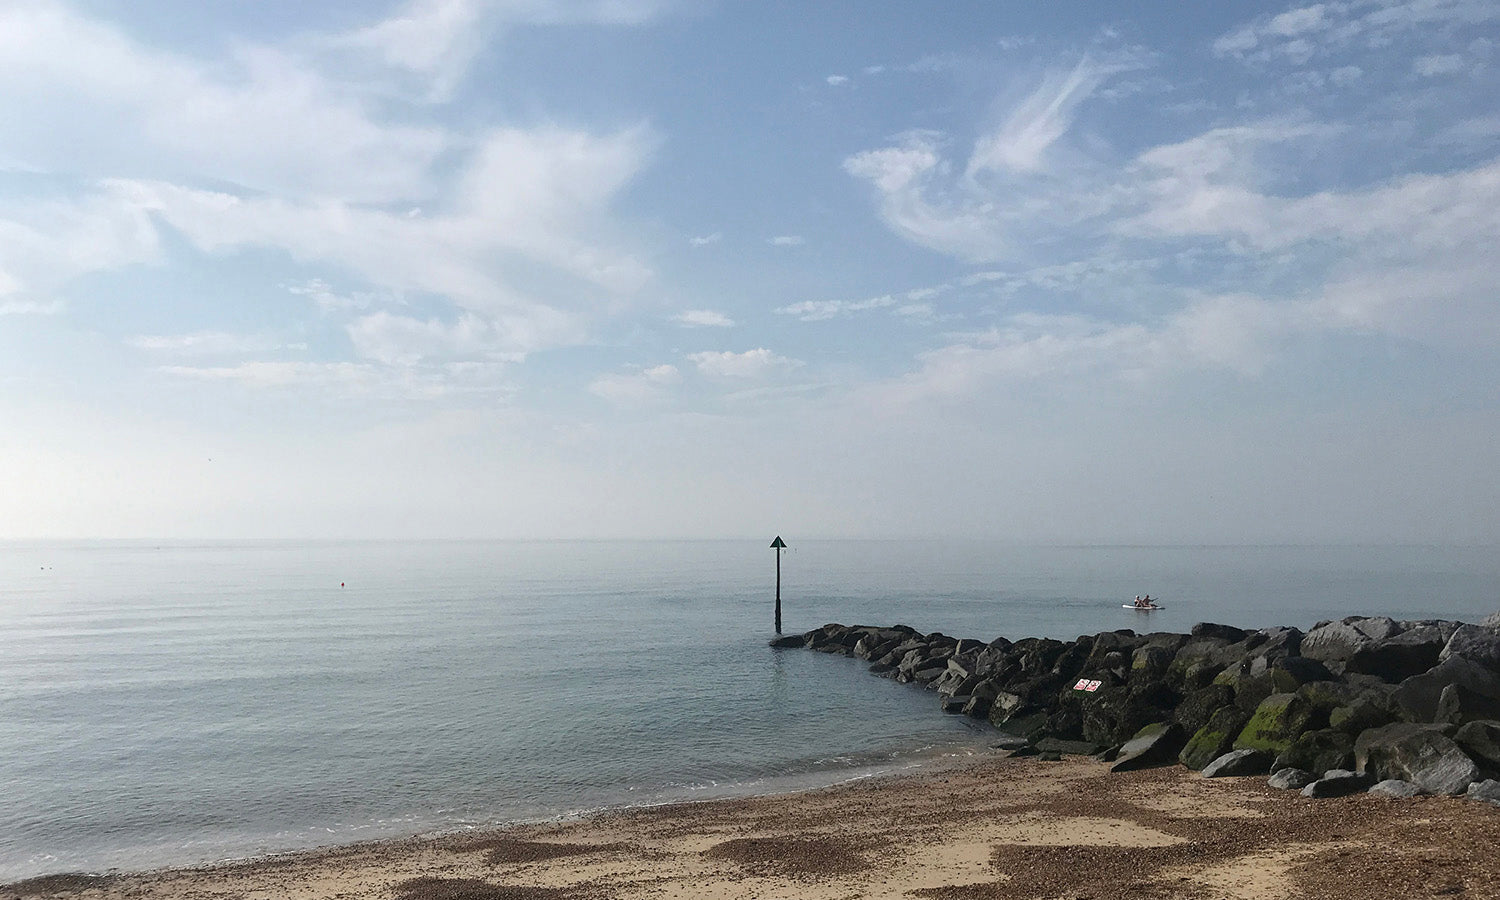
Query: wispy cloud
<point x="210" y="343"/>
<point x="706" y="239"/>
<point x="703" y="318"/>
<point x="751" y="364"/>
<point x="786" y="240"/>
<point x="647" y="386"/>
<point x="30" y="307"/>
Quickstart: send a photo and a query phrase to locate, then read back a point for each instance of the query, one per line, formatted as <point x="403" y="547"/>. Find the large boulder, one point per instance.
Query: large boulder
<point x="1458" y="705"/>
<point x="1237" y="763"/>
<point x="1425" y="756"/>
<point x="1291" y="779"/>
<point x="1337" y="641"/>
<point x="1420" y="695"/>
<point x="1276" y="723"/>
<point x="1337" y="783"/>
<point x="1491" y="621"/>
<point x="1197" y="663"/>
<point x="1482" y="645"/>
<point x="1487" y="790"/>
<point x="1113" y="714"/>
<point x="1481" y="741"/>
<point x="1394" y="788"/>
<point x="1400" y="656"/>
<point x="1199" y="706"/>
<point x="1215" y="738"/>
<point x="1227" y="633"/>
<point x="1318" y="751"/>
<point x="1151" y="662"/>
<point x="1155" y="745"/>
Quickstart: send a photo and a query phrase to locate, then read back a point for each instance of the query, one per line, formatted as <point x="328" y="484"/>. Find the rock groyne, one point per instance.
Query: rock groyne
<point x="1363" y="703"/>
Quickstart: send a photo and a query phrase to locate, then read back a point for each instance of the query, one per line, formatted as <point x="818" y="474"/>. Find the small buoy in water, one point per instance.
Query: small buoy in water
<point x="341" y="584"/>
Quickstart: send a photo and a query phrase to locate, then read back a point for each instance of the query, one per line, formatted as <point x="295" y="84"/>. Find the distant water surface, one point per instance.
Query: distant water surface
<point x="177" y="703"/>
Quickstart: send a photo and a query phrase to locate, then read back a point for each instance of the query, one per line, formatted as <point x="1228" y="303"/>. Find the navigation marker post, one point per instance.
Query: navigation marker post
<point x="779" y="546"/>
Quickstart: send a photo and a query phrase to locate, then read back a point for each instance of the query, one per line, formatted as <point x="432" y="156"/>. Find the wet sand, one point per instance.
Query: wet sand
<point x="988" y="828"/>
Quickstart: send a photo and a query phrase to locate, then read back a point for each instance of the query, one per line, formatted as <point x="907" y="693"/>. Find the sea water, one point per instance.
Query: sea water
<point x="178" y="703"/>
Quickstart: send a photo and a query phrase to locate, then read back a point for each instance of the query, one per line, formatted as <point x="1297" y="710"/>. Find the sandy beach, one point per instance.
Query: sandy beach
<point x="987" y="827"/>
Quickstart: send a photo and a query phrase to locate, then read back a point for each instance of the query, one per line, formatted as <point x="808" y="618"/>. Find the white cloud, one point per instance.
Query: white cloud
<point x="636" y="388"/>
<point x="403" y="340"/>
<point x="703" y="318"/>
<point x="209" y="343"/>
<point x="1012" y="176"/>
<point x="1233" y="333"/>
<point x="328" y="300"/>
<point x="29" y="307"/>
<point x="260" y="118"/>
<point x="1298" y="35"/>
<point x="706" y="239"/>
<point x="786" y="240"/>
<point x="1021" y="143"/>
<point x="751" y="364"/>
<point x="438" y="39"/>
<point x="1438" y="65"/>
<point x="527" y="202"/>
<point x="837" y="80"/>
<point x="823" y="310"/>
<point x="514" y="224"/>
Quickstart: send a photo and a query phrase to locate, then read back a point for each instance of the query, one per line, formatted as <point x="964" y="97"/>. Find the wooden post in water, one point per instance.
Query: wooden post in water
<point x="778" y="545"/>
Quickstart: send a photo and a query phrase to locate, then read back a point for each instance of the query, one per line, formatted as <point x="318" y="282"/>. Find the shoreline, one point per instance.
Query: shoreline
<point x="898" y="763"/>
<point x="984" y="826"/>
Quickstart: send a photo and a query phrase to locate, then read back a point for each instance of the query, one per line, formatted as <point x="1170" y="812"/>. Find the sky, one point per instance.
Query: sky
<point x="1090" y="272"/>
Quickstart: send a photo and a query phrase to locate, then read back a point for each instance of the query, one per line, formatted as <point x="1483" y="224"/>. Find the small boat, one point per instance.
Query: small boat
<point x="1142" y="608"/>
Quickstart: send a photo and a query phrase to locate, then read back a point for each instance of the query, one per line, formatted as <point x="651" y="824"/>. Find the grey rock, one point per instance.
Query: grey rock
<point x="1481" y="740"/>
<point x="1155" y="745"/>
<point x="1291" y="779"/>
<point x="1337" y="783"/>
<point x="1487" y="790"/>
<point x="1318" y="751"/>
<point x="1238" y="763"/>
<point x="1338" y="641"/>
<point x="1418" y="697"/>
<point x="1458" y="705"/>
<point x="1427" y="757"/>
<point x="1069" y="748"/>
<point x="1394" y="787"/>
<point x="1215" y="738"/>
<point x="1213" y="630"/>
<point x="1491" y="621"/>
<point x="953" y="705"/>
<point x="789" y="640"/>
<point x="1482" y="645"/>
<point x="1400" y="656"/>
<point x="1009" y="742"/>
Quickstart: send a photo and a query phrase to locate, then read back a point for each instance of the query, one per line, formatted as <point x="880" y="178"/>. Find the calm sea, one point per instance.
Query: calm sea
<point x="177" y="703"/>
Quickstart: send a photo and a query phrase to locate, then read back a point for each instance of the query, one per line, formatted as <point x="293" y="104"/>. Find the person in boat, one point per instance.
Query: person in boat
<point x="1137" y="601"/>
<point x="1146" y="603"/>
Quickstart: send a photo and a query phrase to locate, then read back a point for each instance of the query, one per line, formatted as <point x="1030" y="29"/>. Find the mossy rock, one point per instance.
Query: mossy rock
<point x="1278" y="721"/>
<point x="1361" y="715"/>
<point x="1214" y="739"/>
<point x="1318" y="751"/>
